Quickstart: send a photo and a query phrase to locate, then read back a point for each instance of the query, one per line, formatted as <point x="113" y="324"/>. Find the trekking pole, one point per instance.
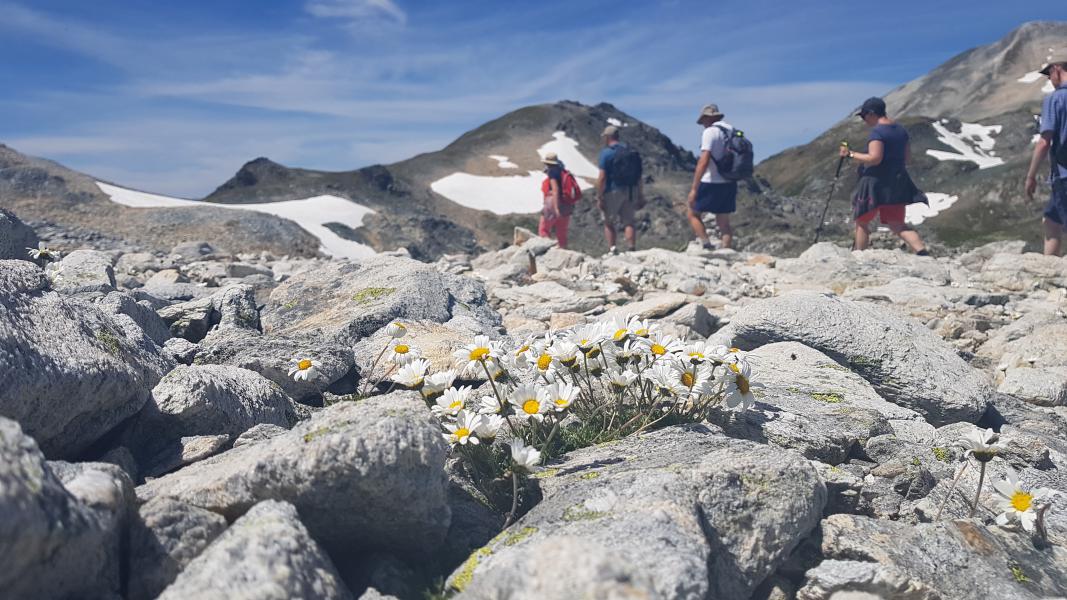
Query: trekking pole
<point x="837" y="174"/>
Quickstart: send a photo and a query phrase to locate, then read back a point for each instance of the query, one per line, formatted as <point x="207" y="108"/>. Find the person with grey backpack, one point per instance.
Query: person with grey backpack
<point x="1053" y="143"/>
<point x="726" y="157"/>
<point x="619" y="189"/>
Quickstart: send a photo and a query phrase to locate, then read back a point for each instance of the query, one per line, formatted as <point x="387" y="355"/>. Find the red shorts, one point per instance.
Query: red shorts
<point x="890" y="213"/>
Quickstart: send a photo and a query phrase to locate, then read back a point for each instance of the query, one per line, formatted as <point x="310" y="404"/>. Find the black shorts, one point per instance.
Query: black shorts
<point x="717" y="198"/>
<point x="1056" y="210"/>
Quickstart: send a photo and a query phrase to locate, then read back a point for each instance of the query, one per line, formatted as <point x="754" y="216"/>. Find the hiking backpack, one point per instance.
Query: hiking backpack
<point x="625" y="167"/>
<point x="569" y="190"/>
<point x="737" y="162"/>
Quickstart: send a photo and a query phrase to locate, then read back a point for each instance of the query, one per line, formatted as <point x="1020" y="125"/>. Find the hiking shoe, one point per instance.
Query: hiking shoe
<point x="613" y="250"/>
<point x="923" y="252"/>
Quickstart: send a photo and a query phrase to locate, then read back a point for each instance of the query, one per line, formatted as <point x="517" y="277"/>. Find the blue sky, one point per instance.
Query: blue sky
<point x="173" y="97"/>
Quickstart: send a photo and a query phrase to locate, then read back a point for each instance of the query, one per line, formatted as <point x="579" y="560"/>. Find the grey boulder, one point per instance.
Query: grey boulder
<point x="16" y="237"/>
<point x="83" y="271"/>
<point x="906" y="363"/>
<point x="344" y="302"/>
<point x="166" y="536"/>
<point x="69" y="372"/>
<point x="364" y="475"/>
<point x="58" y="538"/>
<point x="267" y="554"/>
<point x="682" y="512"/>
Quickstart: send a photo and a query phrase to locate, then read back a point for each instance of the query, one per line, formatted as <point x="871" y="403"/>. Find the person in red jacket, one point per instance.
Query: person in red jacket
<point x="555" y="214"/>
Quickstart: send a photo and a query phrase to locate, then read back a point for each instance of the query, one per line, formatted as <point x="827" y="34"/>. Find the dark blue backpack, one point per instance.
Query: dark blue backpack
<point x="738" y="162"/>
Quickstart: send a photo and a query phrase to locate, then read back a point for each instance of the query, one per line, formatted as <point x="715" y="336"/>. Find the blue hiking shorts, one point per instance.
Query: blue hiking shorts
<point x="717" y="198"/>
<point x="1056" y="211"/>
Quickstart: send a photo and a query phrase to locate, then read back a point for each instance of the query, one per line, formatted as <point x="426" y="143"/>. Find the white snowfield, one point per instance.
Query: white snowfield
<point x="617" y="123"/>
<point x="503" y="162"/>
<point x="311" y="214"/>
<point x="515" y="193"/>
<point x="974" y="143"/>
<point x="915" y="214"/>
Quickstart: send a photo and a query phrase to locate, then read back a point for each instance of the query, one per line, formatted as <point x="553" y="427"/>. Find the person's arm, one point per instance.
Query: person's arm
<point x="1040" y="152"/>
<point x="872" y="158"/>
<point x="698" y="173"/>
<point x="554" y="185"/>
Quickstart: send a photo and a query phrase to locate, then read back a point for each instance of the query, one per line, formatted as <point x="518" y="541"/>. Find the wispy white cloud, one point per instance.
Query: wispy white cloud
<point x="358" y="13"/>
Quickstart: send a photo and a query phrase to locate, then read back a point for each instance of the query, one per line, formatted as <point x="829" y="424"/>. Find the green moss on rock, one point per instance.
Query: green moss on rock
<point x="368" y="295"/>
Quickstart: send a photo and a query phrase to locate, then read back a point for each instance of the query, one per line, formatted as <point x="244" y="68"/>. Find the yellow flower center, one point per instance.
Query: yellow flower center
<point x="455" y="404"/>
<point x="687" y="379"/>
<point x="734" y="368"/>
<point x="304" y="365"/>
<point x="620" y="333"/>
<point x="401" y="349"/>
<point x="543" y="362"/>
<point x="641" y="333"/>
<point x="658" y="350"/>
<point x="521" y="350"/>
<point x="562" y="402"/>
<point x="461" y="433"/>
<point x="479" y="353"/>
<point x="531" y="407"/>
<point x="1021" y="501"/>
<point x="735" y="350"/>
<point x="696" y="355"/>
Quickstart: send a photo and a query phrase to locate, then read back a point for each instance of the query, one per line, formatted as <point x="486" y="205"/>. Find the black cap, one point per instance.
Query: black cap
<point x="872" y="105"/>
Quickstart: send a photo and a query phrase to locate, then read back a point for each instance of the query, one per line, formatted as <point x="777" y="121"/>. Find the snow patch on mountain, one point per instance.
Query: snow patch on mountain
<point x="503" y="162"/>
<point x="311" y="214"/>
<point x="515" y="193"/>
<point x="915" y="214"/>
<point x="973" y="143"/>
<point x="1033" y="76"/>
<point x="617" y="123"/>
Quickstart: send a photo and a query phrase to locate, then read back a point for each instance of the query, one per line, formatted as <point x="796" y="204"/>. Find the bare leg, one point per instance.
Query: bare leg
<point x="609" y="232"/>
<point x="863" y="237"/>
<point x="1053" y="234"/>
<point x="910" y="236"/>
<point x="698" y="226"/>
<point x="631" y="237"/>
<point x="723" y="222"/>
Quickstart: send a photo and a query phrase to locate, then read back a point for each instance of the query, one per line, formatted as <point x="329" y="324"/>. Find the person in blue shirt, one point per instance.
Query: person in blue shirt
<point x="617" y="202"/>
<point x="1053" y="137"/>
<point x="884" y="188"/>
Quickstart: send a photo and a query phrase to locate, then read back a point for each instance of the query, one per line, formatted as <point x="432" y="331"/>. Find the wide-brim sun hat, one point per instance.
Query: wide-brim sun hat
<point x="1057" y="57"/>
<point x="610" y="131"/>
<point x="550" y="159"/>
<point x="709" y="111"/>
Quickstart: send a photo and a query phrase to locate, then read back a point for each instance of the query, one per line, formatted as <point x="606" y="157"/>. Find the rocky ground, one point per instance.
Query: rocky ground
<point x="154" y="444"/>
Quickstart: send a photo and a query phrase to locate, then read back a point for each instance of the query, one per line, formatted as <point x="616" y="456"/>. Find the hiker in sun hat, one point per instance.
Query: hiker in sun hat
<point x="619" y="188"/>
<point x="561" y="192"/>
<point x="884" y="188"/>
<point x="1053" y="143"/>
<point x="711" y="192"/>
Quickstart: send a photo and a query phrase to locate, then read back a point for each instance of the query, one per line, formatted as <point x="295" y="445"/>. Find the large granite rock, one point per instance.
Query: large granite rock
<point x="58" y="538"/>
<point x="267" y="554"/>
<point x="906" y="363"/>
<point x="682" y="512"/>
<point x="363" y="475"/>
<point x="83" y="271"/>
<point x="16" y="237"/>
<point x="344" y="302"/>
<point x="69" y="372"/>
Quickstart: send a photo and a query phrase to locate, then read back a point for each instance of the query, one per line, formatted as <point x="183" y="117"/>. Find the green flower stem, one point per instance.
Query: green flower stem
<point x="373" y="366"/>
<point x="499" y="400"/>
<point x="951" y="489"/>
<point x="548" y="442"/>
<point x="977" y="494"/>
<point x="514" y="498"/>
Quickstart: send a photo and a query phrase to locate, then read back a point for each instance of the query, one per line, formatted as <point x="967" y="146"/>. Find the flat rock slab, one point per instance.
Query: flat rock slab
<point x="683" y="512"/>
<point x="906" y="363"/>
<point x="69" y="371"/>
<point x="364" y="475"/>
<point x="955" y="559"/>
<point x="266" y="554"/>
<point x="345" y="302"/>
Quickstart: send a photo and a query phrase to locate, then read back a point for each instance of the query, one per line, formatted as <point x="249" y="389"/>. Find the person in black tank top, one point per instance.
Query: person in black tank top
<point x="884" y="187"/>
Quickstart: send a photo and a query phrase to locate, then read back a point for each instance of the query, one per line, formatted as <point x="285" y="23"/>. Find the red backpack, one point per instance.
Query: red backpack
<point x="570" y="192"/>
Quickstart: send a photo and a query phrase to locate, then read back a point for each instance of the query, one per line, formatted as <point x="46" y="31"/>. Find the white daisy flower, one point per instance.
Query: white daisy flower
<point x="721" y="354"/>
<point x="452" y="401"/>
<point x="403" y="354"/>
<point x="530" y="402"/>
<point x="396" y="330"/>
<point x="303" y="369"/>
<point x="618" y="329"/>
<point x="983" y="445"/>
<point x="489" y="427"/>
<point x="696" y="378"/>
<point x="588" y="337"/>
<point x="620" y="380"/>
<point x="437" y="383"/>
<point x="489" y="405"/>
<point x="642" y="328"/>
<point x="699" y="352"/>
<point x="666" y="382"/>
<point x="524" y="458"/>
<point x="463" y="430"/>
<point x="561" y="395"/>
<point x="566" y="353"/>
<point x="470" y="358"/>
<point x="412" y="374"/>
<point x="661" y="345"/>
<point x="42" y="252"/>
<point x="739" y="385"/>
<point x="1018" y="502"/>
